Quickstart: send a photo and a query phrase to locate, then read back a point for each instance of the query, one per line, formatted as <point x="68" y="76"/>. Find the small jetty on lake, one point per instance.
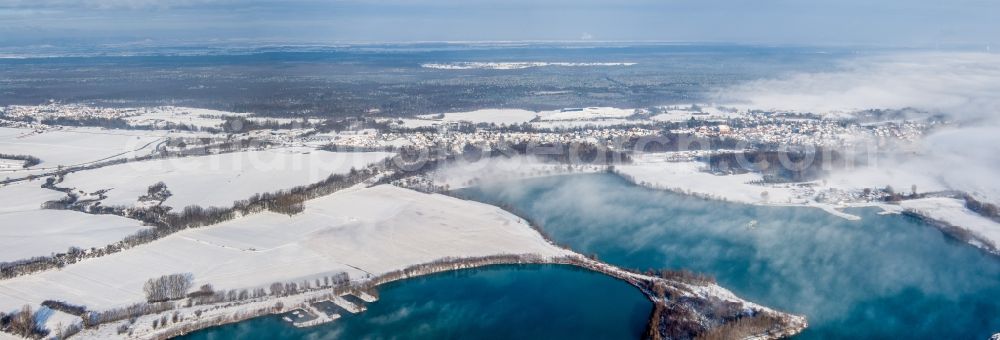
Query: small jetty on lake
<point x="321" y="312"/>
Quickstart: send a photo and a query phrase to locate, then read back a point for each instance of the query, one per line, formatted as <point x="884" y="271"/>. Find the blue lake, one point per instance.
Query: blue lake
<point x="884" y="276"/>
<point x="881" y="277"/>
<point x="500" y="302"/>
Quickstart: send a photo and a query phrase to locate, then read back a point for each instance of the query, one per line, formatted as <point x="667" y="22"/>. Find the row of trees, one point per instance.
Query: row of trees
<point x="65" y="307"/>
<point x="93" y="319"/>
<point x="206" y="294"/>
<point x="29" y="161"/>
<point x="984" y="209"/>
<point x="175" y="286"/>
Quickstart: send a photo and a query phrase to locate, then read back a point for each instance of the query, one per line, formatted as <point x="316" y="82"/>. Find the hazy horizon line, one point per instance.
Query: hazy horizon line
<point x="250" y="43"/>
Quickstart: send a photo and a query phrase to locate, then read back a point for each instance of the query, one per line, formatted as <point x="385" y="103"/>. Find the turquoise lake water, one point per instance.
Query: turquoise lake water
<point x="499" y="302"/>
<point x="884" y="276"/>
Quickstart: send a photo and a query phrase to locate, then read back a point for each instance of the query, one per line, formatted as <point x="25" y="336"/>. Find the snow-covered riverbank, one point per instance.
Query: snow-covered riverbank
<point x="687" y="177"/>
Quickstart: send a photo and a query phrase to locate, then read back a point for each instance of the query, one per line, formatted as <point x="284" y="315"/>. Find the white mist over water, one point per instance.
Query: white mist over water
<point x="878" y="277"/>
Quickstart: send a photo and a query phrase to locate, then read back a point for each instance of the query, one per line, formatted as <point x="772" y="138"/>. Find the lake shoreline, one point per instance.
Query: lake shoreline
<point x="847" y="276"/>
<point x="792" y="324"/>
<point x="961" y="233"/>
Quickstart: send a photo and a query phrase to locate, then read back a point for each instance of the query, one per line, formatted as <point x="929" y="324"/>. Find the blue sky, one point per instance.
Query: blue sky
<point x="886" y="22"/>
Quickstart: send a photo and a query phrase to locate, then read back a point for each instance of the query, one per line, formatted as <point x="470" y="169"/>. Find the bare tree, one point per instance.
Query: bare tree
<point x="168" y="287"/>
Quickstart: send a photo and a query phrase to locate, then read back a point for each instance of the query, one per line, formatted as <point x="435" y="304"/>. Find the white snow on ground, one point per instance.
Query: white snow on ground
<point x="362" y="230"/>
<point x="702" y="113"/>
<point x="202" y="118"/>
<point x="569" y="124"/>
<point x="158" y="117"/>
<point x="56" y="320"/>
<point x="25" y="196"/>
<point x="496" y="116"/>
<point x="72" y="146"/>
<point x="417" y="123"/>
<point x="27" y="231"/>
<point x="655" y="171"/>
<point x="28" y="234"/>
<point x="586" y="113"/>
<point x="218" y="180"/>
<point x="569" y="117"/>
<point x="687" y="177"/>
<point x="11" y="164"/>
<point x="954" y="212"/>
<point x="901" y="180"/>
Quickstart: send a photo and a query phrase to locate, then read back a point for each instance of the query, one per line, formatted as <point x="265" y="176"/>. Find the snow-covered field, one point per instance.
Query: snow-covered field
<point x="902" y="180"/>
<point x="569" y="117"/>
<point x="687" y="177"/>
<point x="218" y="180"/>
<point x="597" y="116"/>
<point x="25" y="196"/>
<point x="27" y="231"/>
<point x="72" y="146"/>
<point x="358" y="231"/>
<point x="496" y="116"/>
<point x="159" y="117"/>
<point x="954" y="212"/>
<point x="586" y="113"/>
<point x="654" y="170"/>
<point x="202" y="118"/>
<point x="11" y="164"/>
<point x="571" y="124"/>
<point x="27" y="234"/>
<point x="417" y="123"/>
<point x="701" y="113"/>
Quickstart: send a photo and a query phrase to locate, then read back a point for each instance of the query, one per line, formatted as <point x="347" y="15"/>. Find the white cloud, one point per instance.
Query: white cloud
<point x="962" y="84"/>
